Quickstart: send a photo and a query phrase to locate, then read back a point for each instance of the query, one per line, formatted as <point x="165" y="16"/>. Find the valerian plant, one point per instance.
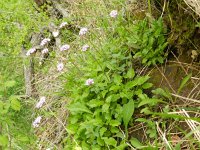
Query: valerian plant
<point x="102" y="108"/>
<point x="148" y="41"/>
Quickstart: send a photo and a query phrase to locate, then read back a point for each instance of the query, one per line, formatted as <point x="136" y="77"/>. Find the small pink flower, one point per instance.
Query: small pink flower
<point x="83" y="31"/>
<point x="55" y="33"/>
<point x="64" y="47"/>
<point x="37" y="122"/>
<point x="31" y="51"/>
<point x="45" y="51"/>
<point x="89" y="82"/>
<point x="45" y="41"/>
<point x="41" y="102"/>
<point x="85" y="47"/>
<point x="60" y="66"/>
<point x="62" y="25"/>
<point x="113" y="13"/>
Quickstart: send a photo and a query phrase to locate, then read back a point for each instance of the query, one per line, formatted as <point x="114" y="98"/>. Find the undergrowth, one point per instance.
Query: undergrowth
<point x="105" y="89"/>
<point x="101" y="70"/>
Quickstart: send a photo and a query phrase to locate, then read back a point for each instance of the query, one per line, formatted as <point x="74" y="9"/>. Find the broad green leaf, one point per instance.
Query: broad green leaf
<point x="184" y="81"/>
<point x="102" y="131"/>
<point x="3" y="140"/>
<point x="150" y="101"/>
<point x="105" y="107"/>
<point x="114" y="88"/>
<point x="147" y="85"/>
<point x="122" y="145"/>
<point x="15" y="104"/>
<point x="114" y="123"/>
<point x="136" y="82"/>
<point x="95" y="103"/>
<point x="110" y="141"/>
<point x="112" y="98"/>
<point x="117" y="79"/>
<point x="127" y="113"/>
<point x="146" y="111"/>
<point x="136" y="143"/>
<point x="114" y="130"/>
<point x="78" y="108"/>
<point x="100" y="141"/>
<point x="130" y="74"/>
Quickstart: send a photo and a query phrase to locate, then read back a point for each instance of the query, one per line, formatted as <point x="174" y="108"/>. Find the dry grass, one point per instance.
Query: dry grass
<point x="194" y="5"/>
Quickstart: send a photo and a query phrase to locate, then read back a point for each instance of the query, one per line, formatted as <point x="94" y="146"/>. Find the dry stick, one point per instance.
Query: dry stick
<point x="163" y="136"/>
<point x="163" y="8"/>
<point x="191" y="4"/>
<point x="192" y="125"/>
<point x="196" y="86"/>
<point x="185" y="98"/>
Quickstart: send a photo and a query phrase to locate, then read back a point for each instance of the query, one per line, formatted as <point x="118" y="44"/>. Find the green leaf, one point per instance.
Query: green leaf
<point x="95" y="103"/>
<point x="105" y="107"/>
<point x="10" y="83"/>
<point x="147" y="85"/>
<point x="130" y="74"/>
<point x="136" y="143"/>
<point x="3" y="140"/>
<point x="122" y="145"/>
<point x="150" y="101"/>
<point x="72" y="128"/>
<point x="117" y="79"/>
<point x="114" y="123"/>
<point x="128" y="110"/>
<point x="146" y="111"/>
<point x="162" y="92"/>
<point x="78" y="108"/>
<point x="184" y="81"/>
<point x="110" y="141"/>
<point x="102" y="131"/>
<point x="136" y="82"/>
<point x="14" y="103"/>
<point x="100" y="141"/>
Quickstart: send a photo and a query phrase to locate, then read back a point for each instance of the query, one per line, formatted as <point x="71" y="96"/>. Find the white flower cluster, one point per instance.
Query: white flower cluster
<point x="36" y="122"/>
<point x="55" y="33"/>
<point x="60" y="66"/>
<point x="45" y="51"/>
<point x="89" y="82"/>
<point x="62" y="25"/>
<point x="65" y="47"/>
<point x="45" y="41"/>
<point x="83" y="31"/>
<point x="41" y="102"/>
<point x="85" y="47"/>
<point x="113" y="13"/>
<point x="31" y="51"/>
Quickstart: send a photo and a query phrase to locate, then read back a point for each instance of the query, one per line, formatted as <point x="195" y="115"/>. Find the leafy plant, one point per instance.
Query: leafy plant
<point x="148" y="41"/>
<point x="98" y="110"/>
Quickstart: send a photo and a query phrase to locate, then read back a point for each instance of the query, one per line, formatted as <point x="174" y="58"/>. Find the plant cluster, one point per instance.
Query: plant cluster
<point x="148" y="41"/>
<point x="106" y="91"/>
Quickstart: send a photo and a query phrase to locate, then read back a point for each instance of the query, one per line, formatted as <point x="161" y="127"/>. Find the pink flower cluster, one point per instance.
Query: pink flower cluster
<point x="45" y="41"/>
<point x="31" y="51"/>
<point x="89" y="82"/>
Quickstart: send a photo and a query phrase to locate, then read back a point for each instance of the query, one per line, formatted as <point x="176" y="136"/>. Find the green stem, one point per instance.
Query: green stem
<point x="126" y="131"/>
<point x="149" y="6"/>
